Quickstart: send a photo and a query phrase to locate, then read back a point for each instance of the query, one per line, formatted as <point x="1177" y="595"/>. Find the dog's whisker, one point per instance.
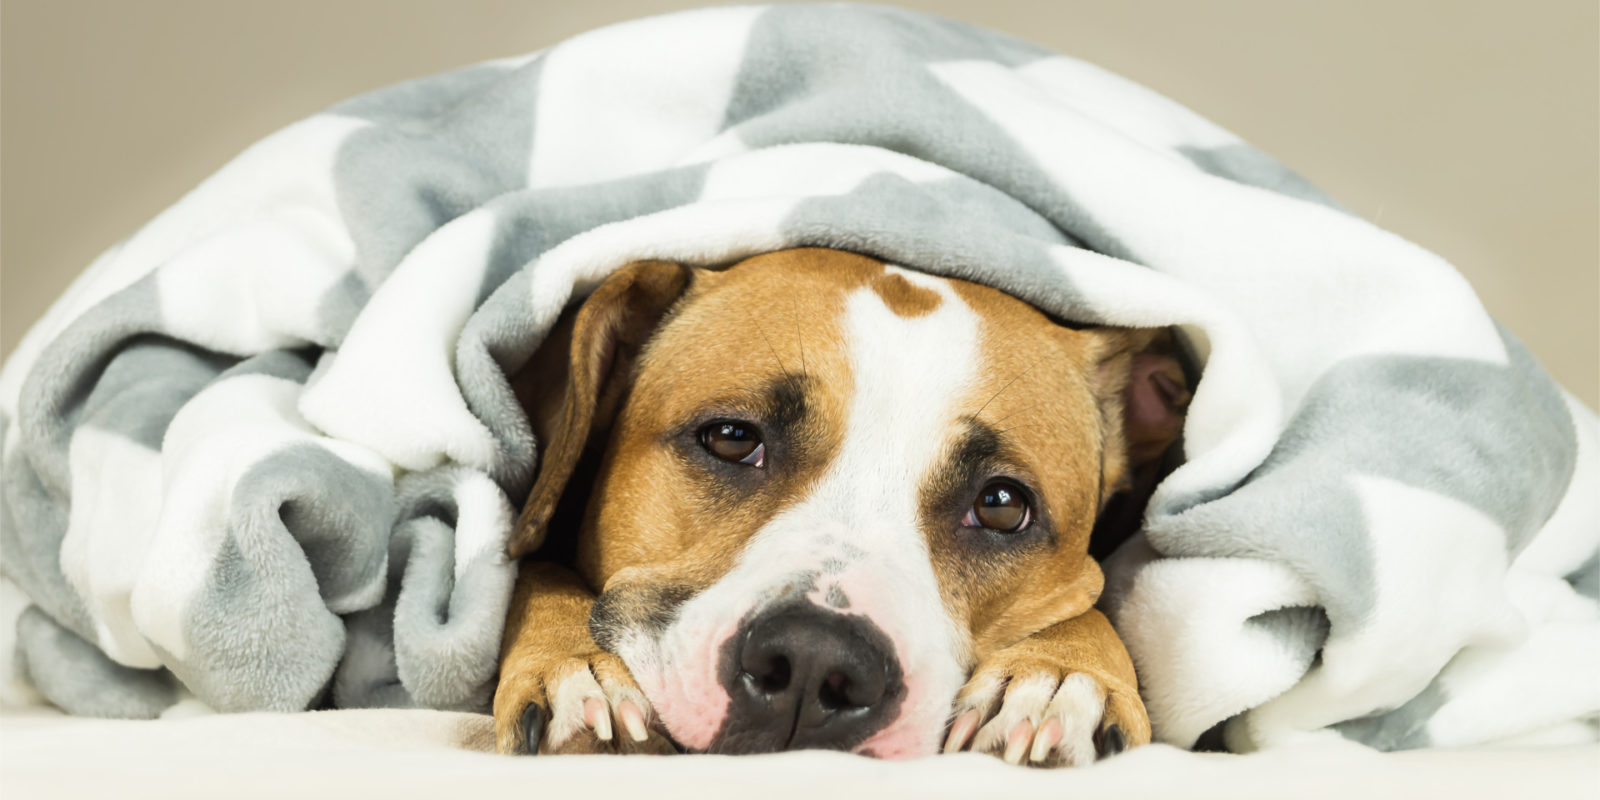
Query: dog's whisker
<point x="799" y="335"/>
<point x="1014" y="413"/>
<point x="763" y="332"/>
<point x="1002" y="390"/>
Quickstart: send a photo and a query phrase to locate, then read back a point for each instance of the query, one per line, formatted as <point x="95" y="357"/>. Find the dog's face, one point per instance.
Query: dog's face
<point x="827" y="487"/>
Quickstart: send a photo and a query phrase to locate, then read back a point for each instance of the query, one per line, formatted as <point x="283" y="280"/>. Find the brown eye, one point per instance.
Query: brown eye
<point x="734" y="441"/>
<point x="1002" y="507"/>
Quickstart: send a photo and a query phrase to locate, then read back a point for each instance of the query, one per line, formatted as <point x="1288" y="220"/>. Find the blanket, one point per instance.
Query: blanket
<point x="263" y="453"/>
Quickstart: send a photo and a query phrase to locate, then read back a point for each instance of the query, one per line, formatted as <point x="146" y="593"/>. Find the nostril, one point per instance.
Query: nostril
<point x="834" y="694"/>
<point x="777" y="678"/>
<point x="771" y="675"/>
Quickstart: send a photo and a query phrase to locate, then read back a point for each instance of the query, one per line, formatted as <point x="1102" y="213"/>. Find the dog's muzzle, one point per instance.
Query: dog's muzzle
<point x="801" y="677"/>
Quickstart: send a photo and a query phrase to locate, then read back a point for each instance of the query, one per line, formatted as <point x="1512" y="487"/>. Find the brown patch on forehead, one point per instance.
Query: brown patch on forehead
<point x="904" y="298"/>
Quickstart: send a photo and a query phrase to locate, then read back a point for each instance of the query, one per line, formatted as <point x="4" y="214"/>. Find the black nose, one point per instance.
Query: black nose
<point x="801" y="677"/>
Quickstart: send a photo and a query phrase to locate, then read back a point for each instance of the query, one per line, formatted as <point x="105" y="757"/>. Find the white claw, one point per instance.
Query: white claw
<point x="632" y="720"/>
<point x="598" y="717"/>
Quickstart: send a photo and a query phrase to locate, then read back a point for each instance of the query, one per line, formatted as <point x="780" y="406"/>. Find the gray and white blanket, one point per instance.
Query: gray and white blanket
<point x="264" y="451"/>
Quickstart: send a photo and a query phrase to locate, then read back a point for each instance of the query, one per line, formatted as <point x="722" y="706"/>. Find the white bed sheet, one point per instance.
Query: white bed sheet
<point x="392" y="753"/>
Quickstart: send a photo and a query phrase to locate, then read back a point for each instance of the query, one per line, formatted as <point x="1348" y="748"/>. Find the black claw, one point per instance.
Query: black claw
<point x="533" y="718"/>
<point x="1112" y="742"/>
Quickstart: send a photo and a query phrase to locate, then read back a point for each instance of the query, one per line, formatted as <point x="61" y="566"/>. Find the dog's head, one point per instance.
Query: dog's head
<point x="820" y="488"/>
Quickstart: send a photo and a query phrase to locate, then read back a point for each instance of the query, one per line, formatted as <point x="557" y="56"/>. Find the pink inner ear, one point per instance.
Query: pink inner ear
<point x="1154" y="403"/>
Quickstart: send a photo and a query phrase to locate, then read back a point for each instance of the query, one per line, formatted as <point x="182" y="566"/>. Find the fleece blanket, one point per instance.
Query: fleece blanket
<point x="264" y="453"/>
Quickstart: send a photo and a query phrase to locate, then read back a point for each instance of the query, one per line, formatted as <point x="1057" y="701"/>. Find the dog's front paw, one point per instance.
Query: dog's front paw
<point x="1033" y="709"/>
<point x="582" y="704"/>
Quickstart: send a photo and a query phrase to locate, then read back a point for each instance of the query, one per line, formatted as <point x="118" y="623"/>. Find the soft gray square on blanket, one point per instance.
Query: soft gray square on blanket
<point x="264" y="450"/>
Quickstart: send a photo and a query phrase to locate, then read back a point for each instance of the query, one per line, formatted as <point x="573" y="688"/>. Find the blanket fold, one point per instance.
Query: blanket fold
<point x="264" y="451"/>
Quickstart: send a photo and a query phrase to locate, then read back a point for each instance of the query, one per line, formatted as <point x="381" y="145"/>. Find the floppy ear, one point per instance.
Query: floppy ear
<point x="1143" y="395"/>
<point x="574" y="384"/>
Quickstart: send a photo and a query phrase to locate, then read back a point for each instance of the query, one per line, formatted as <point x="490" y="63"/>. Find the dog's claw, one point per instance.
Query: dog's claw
<point x="961" y="730"/>
<point x="1017" y="741"/>
<point x="1112" y="742"/>
<point x="632" y="720"/>
<point x="598" y="717"/>
<point x="1045" y="741"/>
<point x="533" y="720"/>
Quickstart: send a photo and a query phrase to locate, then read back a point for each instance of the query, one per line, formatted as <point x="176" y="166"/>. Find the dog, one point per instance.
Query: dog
<point x="813" y="500"/>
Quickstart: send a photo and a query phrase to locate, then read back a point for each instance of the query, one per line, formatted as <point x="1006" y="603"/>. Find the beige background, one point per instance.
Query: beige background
<point x="1472" y="128"/>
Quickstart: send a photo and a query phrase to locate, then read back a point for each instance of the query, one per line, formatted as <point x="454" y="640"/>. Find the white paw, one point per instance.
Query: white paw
<point x="1038" y="717"/>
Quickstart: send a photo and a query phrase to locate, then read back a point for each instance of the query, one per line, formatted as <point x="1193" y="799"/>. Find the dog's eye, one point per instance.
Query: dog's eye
<point x="1001" y="506"/>
<point x="734" y="441"/>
